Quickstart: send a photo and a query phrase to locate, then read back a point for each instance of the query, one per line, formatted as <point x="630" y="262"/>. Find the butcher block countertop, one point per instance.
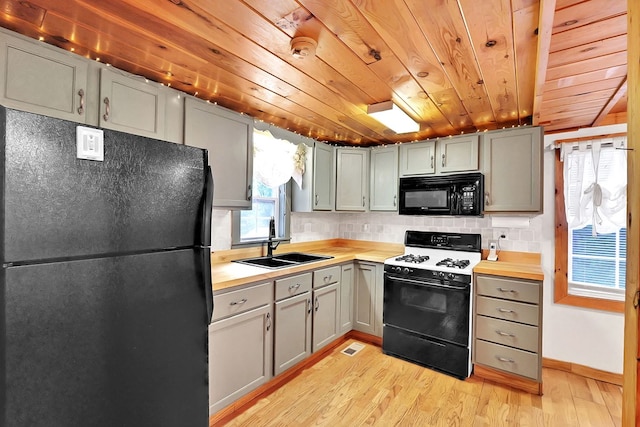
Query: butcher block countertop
<point x="522" y="265"/>
<point x="226" y="274"/>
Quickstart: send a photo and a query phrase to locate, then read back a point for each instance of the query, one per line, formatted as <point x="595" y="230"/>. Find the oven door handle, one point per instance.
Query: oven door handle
<point x="428" y="284"/>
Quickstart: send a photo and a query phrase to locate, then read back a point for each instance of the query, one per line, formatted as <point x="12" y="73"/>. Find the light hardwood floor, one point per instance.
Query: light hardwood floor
<point x="371" y="388"/>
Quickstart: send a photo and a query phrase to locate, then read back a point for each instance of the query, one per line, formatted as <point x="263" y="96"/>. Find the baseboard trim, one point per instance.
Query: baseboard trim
<point x="530" y="386"/>
<point x="248" y="400"/>
<point x="585" y="371"/>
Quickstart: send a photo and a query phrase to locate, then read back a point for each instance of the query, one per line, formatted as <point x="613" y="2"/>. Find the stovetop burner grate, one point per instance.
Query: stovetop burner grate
<point x="451" y="263"/>
<point x="416" y="259"/>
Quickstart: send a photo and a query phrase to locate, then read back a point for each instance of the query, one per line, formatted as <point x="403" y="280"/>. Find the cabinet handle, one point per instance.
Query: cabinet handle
<point x="294" y="287"/>
<point x="443" y="160"/>
<point x="309" y="306"/>
<point x="432" y="165"/>
<point x="249" y="192"/>
<point x="81" y="107"/>
<point x="505" y="310"/>
<point x="327" y="278"/>
<point x="268" y="321"/>
<point x="505" y="334"/>
<point x="107" y="109"/>
<point x="395" y="198"/>
<point x="316" y="200"/>
<point x="504" y="359"/>
<point x="507" y="290"/>
<point x="363" y="201"/>
<point x="242" y="301"/>
<point x="317" y="304"/>
<point x="487" y="200"/>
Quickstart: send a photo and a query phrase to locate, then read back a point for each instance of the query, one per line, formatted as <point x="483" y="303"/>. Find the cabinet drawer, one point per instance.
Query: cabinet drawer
<point x="508" y="310"/>
<point x="507" y="359"/>
<point x="293" y="285"/>
<point x="508" y="333"/>
<point x="326" y="276"/>
<point x="235" y="302"/>
<point x="513" y="289"/>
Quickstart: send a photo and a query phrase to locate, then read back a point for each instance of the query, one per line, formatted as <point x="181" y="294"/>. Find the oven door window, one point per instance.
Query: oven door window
<point x="428" y="309"/>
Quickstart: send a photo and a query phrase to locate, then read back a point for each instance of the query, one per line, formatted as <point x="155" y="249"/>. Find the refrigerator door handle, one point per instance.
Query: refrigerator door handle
<point x="205" y="228"/>
<point x="208" y="286"/>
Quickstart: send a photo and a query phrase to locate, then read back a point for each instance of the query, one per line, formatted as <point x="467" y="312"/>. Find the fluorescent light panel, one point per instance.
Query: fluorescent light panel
<point x="390" y="115"/>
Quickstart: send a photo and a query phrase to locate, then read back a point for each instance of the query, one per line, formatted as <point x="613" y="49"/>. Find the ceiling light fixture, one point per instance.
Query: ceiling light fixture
<point x="393" y="117"/>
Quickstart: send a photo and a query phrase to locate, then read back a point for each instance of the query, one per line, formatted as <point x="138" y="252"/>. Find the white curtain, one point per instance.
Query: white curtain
<point x="595" y="184"/>
<point x="275" y="161"/>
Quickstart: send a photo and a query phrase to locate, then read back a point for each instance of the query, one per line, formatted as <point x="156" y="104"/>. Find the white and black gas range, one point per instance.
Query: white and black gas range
<point x="427" y="301"/>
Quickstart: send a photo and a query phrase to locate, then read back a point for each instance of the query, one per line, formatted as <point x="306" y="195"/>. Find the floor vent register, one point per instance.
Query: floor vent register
<point x="352" y="349"/>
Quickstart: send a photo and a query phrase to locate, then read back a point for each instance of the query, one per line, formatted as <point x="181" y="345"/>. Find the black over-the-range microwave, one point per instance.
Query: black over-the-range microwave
<point x="457" y="194"/>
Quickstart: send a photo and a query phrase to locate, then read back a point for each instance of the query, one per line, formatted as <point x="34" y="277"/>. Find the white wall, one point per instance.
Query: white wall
<point x="587" y="337"/>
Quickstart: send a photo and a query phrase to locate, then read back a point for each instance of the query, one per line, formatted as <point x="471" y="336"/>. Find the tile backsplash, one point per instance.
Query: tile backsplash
<point x="388" y="227"/>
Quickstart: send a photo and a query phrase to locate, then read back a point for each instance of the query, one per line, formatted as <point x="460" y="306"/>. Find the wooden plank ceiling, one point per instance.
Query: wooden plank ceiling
<point x="454" y="66"/>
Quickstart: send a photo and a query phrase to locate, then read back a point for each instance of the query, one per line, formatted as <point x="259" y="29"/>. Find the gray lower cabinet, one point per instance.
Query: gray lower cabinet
<point x="508" y="326"/>
<point x="293" y="307"/>
<point x="368" y="297"/>
<point x="512" y="163"/>
<point x="346" y="298"/>
<point x="326" y="306"/>
<point x="42" y="79"/>
<point x="240" y="344"/>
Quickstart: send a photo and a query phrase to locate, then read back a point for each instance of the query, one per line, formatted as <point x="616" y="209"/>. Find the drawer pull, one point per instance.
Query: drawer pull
<point x="328" y="278"/>
<point x="242" y="301"/>
<point x="505" y="334"/>
<point x="309" y="306"/>
<point x="507" y="290"/>
<point x="294" y="287"/>
<point x="505" y="310"/>
<point x="505" y="359"/>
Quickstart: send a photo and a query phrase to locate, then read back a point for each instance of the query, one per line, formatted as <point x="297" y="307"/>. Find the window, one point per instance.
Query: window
<point x="590" y="225"/>
<point x="275" y="162"/>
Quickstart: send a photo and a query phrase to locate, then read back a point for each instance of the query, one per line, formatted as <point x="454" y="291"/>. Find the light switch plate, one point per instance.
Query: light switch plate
<point x="90" y="143"/>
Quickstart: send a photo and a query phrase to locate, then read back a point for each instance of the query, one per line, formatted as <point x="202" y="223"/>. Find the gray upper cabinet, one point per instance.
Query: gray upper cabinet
<point x="352" y="172"/>
<point x="318" y="189"/>
<point x="131" y="105"/>
<point x="229" y="138"/>
<point x="457" y="154"/>
<point x="512" y="161"/>
<point x="383" y="190"/>
<point x="417" y="158"/>
<point x="42" y="79"/>
<point x="446" y="155"/>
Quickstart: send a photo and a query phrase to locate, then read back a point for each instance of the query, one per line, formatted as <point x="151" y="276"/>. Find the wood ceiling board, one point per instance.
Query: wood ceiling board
<point x="578" y="36"/>
<point x="561" y="4"/>
<point x="588" y="65"/>
<point x="444" y="27"/>
<point x="620" y="93"/>
<point x="588" y="51"/>
<point x="547" y="9"/>
<point x="588" y="114"/>
<point x="613" y="83"/>
<point x="567" y="124"/>
<point x="550" y="110"/>
<point x="525" y="29"/>
<point x="490" y="26"/>
<point x="27" y="12"/>
<point x="586" y="13"/>
<point x="601" y="96"/>
<point x="449" y="104"/>
<point x="585" y="78"/>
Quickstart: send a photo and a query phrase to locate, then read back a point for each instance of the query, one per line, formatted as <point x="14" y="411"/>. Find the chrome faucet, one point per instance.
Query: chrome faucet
<point x="272" y="235"/>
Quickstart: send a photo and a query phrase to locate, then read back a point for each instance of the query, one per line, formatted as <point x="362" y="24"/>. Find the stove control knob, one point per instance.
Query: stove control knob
<point x="406" y="270"/>
<point x="441" y="275"/>
<point x="451" y="276"/>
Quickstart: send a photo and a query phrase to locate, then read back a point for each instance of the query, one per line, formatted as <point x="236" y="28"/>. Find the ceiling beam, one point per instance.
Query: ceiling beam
<point x="622" y="91"/>
<point x="545" y="27"/>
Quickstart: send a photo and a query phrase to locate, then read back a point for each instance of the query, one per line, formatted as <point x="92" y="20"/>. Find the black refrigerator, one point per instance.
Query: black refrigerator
<point x="105" y="292"/>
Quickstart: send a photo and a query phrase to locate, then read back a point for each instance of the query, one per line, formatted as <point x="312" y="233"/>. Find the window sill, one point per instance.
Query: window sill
<point x="561" y="296"/>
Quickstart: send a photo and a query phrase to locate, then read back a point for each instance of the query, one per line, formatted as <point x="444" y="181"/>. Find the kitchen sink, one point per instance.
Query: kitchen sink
<point x="282" y="261"/>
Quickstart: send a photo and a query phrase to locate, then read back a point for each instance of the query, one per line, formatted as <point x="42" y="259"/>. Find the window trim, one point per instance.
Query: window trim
<point x="561" y="285"/>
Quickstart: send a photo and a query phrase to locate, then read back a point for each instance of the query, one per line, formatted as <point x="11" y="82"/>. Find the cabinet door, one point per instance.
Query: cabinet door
<point x="457" y="154"/>
<point x="346" y="298"/>
<point x="240" y="349"/>
<point x="365" y="298"/>
<point x="384" y="179"/>
<point x="513" y="170"/>
<point x="418" y="158"/>
<point x="323" y="177"/>
<point x="352" y="169"/>
<point x="42" y="80"/>
<point x="326" y="315"/>
<point x="228" y="136"/>
<point x="292" y="331"/>
<point x="131" y="105"/>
